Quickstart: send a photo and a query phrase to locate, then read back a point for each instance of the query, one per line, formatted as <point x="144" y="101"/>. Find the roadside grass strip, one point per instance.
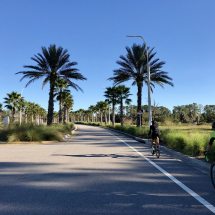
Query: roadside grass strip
<point x="180" y="184"/>
<point x="72" y="136"/>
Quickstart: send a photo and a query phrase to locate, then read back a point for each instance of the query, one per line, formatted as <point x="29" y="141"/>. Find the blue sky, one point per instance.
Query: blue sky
<point x="94" y="32"/>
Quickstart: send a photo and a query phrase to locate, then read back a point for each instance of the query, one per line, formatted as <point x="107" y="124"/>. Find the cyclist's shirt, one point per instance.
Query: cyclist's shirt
<point x="155" y="130"/>
<point x="212" y="137"/>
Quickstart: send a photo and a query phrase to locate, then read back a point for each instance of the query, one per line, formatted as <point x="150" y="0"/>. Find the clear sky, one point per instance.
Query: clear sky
<point x="94" y="32"/>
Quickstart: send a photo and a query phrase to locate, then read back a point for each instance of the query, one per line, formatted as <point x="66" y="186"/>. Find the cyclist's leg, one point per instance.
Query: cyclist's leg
<point x="152" y="142"/>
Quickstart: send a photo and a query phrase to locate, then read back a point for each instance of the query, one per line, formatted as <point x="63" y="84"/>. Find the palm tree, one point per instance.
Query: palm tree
<point x="124" y="93"/>
<point x="92" y="109"/>
<point x="67" y="103"/>
<point x="61" y="86"/>
<point x="42" y="113"/>
<point x="32" y="109"/>
<point x="103" y="106"/>
<point x="25" y="107"/>
<point x="112" y="97"/>
<point x="20" y="107"/>
<point x="134" y="67"/>
<point x="0" y="107"/>
<point x="12" y="102"/>
<point x="52" y="64"/>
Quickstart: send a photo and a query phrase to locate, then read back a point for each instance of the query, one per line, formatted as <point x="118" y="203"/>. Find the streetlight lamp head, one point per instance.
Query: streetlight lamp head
<point x="132" y="36"/>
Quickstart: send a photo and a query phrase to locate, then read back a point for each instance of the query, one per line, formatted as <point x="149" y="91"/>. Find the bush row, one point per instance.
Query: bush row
<point x="28" y="132"/>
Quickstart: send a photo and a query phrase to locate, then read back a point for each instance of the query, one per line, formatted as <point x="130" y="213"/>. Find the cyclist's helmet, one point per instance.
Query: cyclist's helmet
<point x="213" y="125"/>
<point x="153" y="122"/>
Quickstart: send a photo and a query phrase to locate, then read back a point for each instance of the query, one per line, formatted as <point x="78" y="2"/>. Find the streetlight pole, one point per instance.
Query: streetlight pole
<point x="148" y="74"/>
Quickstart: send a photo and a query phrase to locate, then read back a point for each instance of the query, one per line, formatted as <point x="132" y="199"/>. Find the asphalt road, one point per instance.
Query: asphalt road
<point x="97" y="173"/>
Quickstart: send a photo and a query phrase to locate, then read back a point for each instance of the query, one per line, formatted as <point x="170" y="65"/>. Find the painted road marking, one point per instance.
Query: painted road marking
<point x="180" y="184"/>
<point x="72" y="136"/>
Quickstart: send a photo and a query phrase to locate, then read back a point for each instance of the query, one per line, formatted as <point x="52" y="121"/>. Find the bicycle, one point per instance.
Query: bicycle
<point x="212" y="169"/>
<point x="155" y="149"/>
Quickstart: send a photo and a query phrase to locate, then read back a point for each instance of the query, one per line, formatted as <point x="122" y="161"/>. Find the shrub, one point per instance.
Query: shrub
<point x="28" y="132"/>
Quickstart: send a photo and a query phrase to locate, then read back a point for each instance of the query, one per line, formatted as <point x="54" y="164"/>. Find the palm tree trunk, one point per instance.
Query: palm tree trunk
<point x="139" y="95"/>
<point x="14" y="111"/>
<point x="51" y="104"/>
<point x="26" y="117"/>
<point x="105" y="117"/>
<point x="64" y="115"/>
<point x="67" y="115"/>
<point x="96" y="116"/>
<point x="101" y="116"/>
<point x="60" y="108"/>
<point x="122" y="119"/>
<point x="32" y="118"/>
<point x="113" y="114"/>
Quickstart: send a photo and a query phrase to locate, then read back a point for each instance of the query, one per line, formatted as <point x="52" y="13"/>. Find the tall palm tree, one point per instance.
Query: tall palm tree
<point x="42" y="113"/>
<point x="103" y="106"/>
<point x="32" y="110"/>
<point x="67" y="103"/>
<point x="92" y="109"/>
<point x="52" y="64"/>
<point x="123" y="94"/>
<point x="12" y="102"/>
<point x="0" y="107"/>
<point x="20" y="108"/>
<point x="134" y="67"/>
<point x="25" y="107"/>
<point x="111" y="94"/>
<point x="60" y="87"/>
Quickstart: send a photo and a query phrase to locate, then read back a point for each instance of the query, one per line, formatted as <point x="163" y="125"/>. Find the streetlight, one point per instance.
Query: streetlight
<point x="148" y="73"/>
<point x="109" y="108"/>
<point x="20" y="113"/>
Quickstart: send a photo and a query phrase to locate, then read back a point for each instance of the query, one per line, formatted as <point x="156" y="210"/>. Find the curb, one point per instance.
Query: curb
<point x="67" y="137"/>
<point x="27" y="143"/>
<point x="176" y="154"/>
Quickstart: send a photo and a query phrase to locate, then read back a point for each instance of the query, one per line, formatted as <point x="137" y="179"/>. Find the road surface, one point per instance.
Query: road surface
<point x="99" y="172"/>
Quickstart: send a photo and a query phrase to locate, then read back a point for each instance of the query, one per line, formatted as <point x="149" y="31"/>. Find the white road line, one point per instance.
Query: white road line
<point x="184" y="187"/>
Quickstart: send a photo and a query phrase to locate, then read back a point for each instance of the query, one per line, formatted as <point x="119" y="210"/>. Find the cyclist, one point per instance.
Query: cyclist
<point x="155" y="132"/>
<point x="212" y="138"/>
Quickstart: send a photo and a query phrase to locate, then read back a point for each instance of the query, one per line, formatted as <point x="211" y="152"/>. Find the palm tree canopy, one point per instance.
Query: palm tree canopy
<point x="12" y="101"/>
<point x="60" y="85"/>
<point x="112" y="95"/>
<point x="134" y="67"/>
<point x="52" y="64"/>
<point x="124" y="93"/>
<point x="102" y="105"/>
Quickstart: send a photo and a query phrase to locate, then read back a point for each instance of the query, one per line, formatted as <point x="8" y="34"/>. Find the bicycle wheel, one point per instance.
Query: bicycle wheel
<point x="158" y="151"/>
<point x="213" y="174"/>
<point x="152" y="151"/>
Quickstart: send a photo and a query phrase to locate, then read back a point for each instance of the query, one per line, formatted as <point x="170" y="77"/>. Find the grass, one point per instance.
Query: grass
<point x="28" y="132"/>
<point x="187" y="138"/>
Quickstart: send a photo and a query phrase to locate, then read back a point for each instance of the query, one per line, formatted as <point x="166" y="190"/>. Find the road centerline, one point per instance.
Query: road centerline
<point x="180" y="184"/>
